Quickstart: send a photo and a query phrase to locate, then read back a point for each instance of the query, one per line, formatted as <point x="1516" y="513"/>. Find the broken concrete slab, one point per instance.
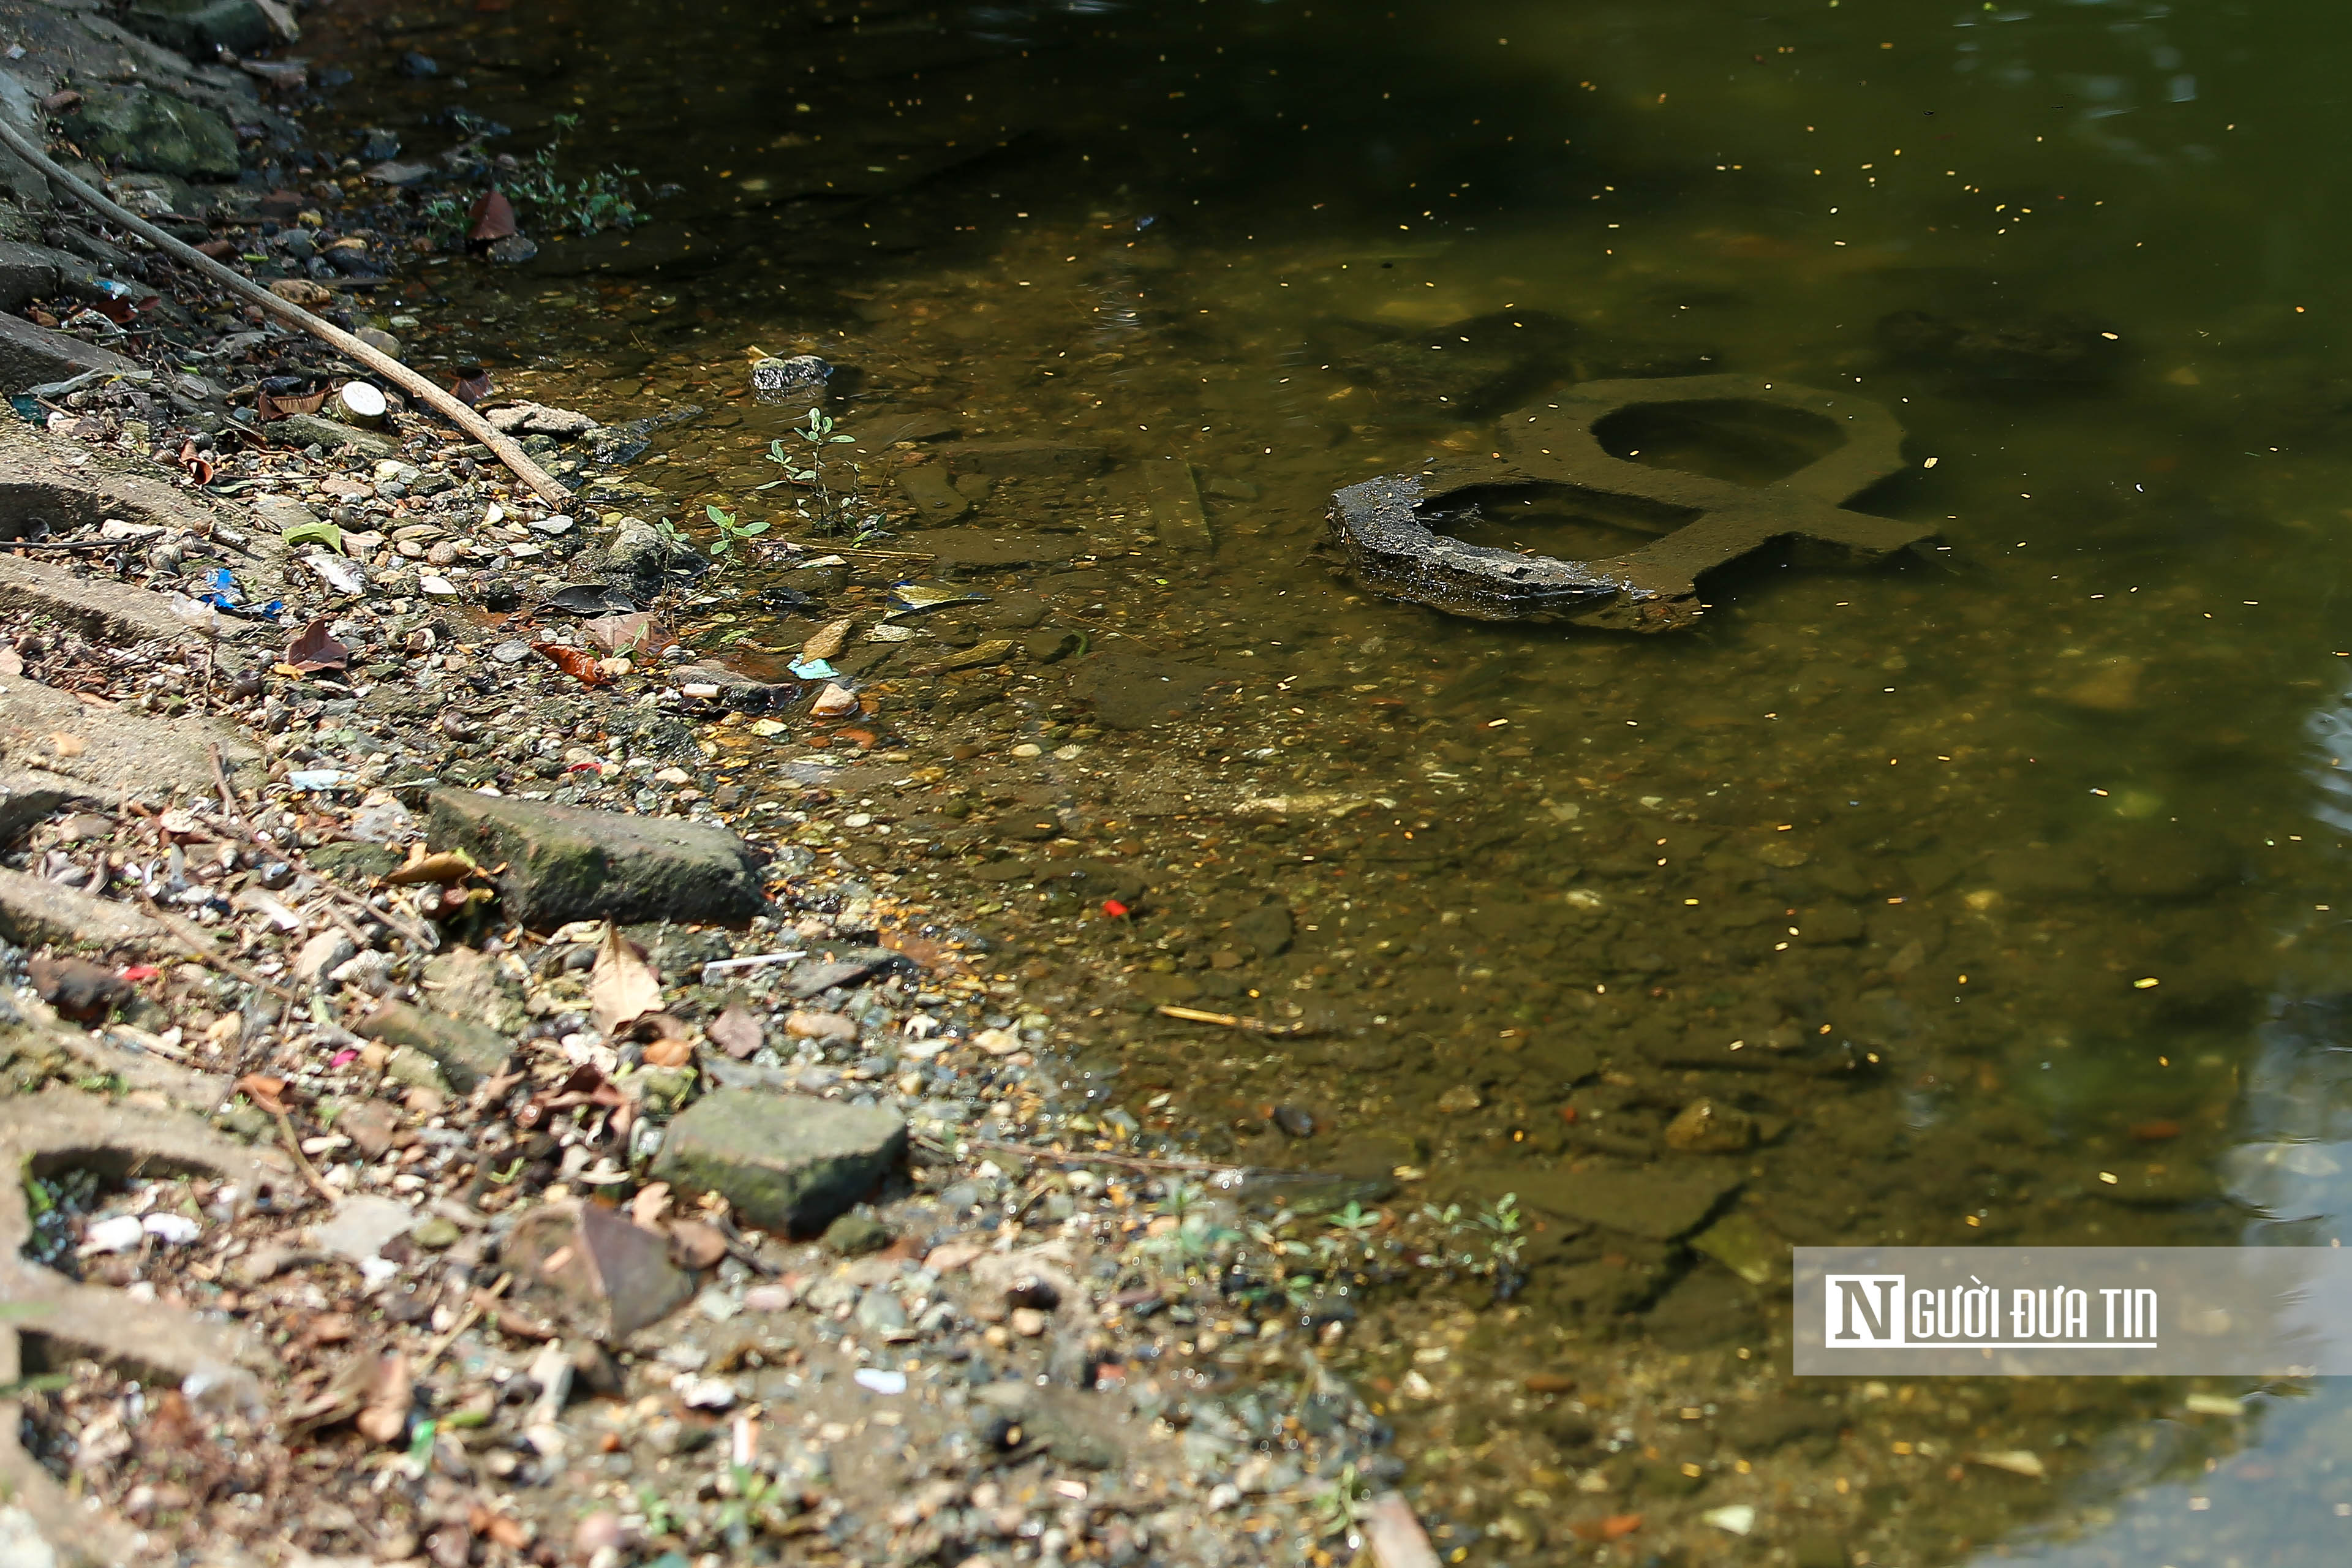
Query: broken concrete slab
<point x="34" y="911"/>
<point x="605" y="1276"/>
<point x="1175" y="498"/>
<point x="1660" y="1201"/>
<point x="785" y="1162"/>
<point x="467" y="1052"/>
<point x="30" y="355"/>
<point x="62" y="1130"/>
<point x="990" y="550"/>
<point x="27" y="272"/>
<point x="111" y="755"/>
<point x="1386" y="528"/>
<point x="564" y="863"/>
<point x="1025" y="459"/>
<point x="467" y="983"/>
<point x="1130" y="692"/>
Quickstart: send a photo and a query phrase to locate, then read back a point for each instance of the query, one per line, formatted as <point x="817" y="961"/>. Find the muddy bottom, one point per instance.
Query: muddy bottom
<point x="1983" y="895"/>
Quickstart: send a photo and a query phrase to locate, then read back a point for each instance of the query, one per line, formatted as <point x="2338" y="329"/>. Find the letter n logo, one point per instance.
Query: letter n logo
<point x="1863" y="1309"/>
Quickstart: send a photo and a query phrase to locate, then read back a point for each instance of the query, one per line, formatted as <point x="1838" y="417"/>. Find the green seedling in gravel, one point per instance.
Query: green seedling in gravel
<point x="825" y="510"/>
<point x="659" y="1519"/>
<point x="1340" y="1506"/>
<point x="731" y="532"/>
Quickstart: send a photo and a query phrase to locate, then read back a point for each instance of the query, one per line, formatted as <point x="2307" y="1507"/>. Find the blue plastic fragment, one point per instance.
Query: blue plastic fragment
<point x="815" y="669"/>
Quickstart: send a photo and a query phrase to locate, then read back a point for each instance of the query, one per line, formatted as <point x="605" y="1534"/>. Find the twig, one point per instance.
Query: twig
<point x="193" y="939"/>
<point x="65" y="544"/>
<point x="1134" y="1162"/>
<point x="1234" y="1021"/>
<point x="302" y="1164"/>
<point x="220" y="777"/>
<point x="413" y="933"/>
<point x="509" y="452"/>
<point x="472" y="1314"/>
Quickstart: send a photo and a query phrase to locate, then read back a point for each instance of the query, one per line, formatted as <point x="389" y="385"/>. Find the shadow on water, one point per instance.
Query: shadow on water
<point x="1979" y="897"/>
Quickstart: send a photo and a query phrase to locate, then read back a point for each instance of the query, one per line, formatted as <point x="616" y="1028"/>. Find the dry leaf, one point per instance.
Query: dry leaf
<point x="623" y="987"/>
<point x="315" y="648"/>
<point x="64" y="745"/>
<point x="737" y="1031"/>
<point x="616" y="634"/>
<point x="263" y="1092"/>
<point x="386" y="1417"/>
<point x="493" y="217"/>
<point x="668" y="1053"/>
<point x="646" y="1210"/>
<point x="448" y="866"/>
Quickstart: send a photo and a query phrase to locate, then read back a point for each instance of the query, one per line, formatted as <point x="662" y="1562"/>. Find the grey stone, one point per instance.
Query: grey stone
<point x="363" y="1225"/>
<point x="785" y="1162"/>
<point x="30" y="355"/>
<point x="643" y="558"/>
<point x="1660" y="1201"/>
<point x="310" y="430"/>
<point x="936" y="500"/>
<point x="466" y="983"/>
<point x="326" y="950"/>
<point x="465" y="1051"/>
<point x="564" y="863"/>
<point x="33" y="911"/>
<point x="153" y="131"/>
<point x="27" y="272"/>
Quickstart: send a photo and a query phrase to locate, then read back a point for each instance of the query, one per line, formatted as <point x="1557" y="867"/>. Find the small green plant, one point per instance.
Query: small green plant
<point x="597" y="201"/>
<point x="1340" y="1506"/>
<point x="1500" y="1221"/>
<point x="731" y="532"/>
<point x="824" y="509"/>
<point x="752" y="1494"/>
<point x="659" y="1519"/>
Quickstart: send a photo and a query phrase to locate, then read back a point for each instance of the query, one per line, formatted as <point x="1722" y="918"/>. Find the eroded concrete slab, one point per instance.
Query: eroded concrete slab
<point x="108" y="754"/>
<point x="51" y="1315"/>
<point x="1386" y="527"/>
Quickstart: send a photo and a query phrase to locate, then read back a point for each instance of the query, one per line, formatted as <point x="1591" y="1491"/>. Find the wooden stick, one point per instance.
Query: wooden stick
<point x="509" y="452"/>
<point x="1233" y="1021"/>
<point x="192" y="938"/>
<point x="302" y="1162"/>
<point x="220" y="778"/>
<point x="465" y="1320"/>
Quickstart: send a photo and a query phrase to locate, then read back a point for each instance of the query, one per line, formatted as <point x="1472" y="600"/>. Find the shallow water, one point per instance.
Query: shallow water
<point x="1915" y="836"/>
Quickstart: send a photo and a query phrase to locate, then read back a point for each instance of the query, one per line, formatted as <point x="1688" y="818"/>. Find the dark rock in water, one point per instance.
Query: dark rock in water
<point x="197" y="28"/>
<point x="1660" y="1201"/>
<point x="419" y="64"/>
<point x="644" y="558"/>
<point x="987" y="549"/>
<point x="627" y="441"/>
<point x="1294" y="1121"/>
<point x="1708" y="1306"/>
<point x="153" y="131"/>
<point x="788" y="379"/>
<point x="1040" y="459"/>
<point x="2058" y="349"/>
<point x="785" y="1162"/>
<point x="514" y="250"/>
<point x="565" y="864"/>
<point x="376" y="144"/>
<point x="1128" y="693"/>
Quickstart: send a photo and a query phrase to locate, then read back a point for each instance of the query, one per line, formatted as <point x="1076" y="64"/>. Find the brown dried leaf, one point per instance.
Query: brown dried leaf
<point x="618" y="634"/>
<point x="737" y="1031"/>
<point x="263" y="1092"/>
<point x="448" y="866"/>
<point x="384" y="1417"/>
<point x="493" y="217"/>
<point x="314" y="649"/>
<point x="621" y="988"/>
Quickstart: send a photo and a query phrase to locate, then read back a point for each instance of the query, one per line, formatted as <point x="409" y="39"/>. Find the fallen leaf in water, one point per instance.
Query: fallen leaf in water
<point x="384" y="1417"/>
<point x="2016" y="1461"/>
<point x="263" y="1092"/>
<point x="577" y="663"/>
<point x="737" y="1031"/>
<point x="617" y="634"/>
<point x="492" y="216"/>
<point x="1614" y="1527"/>
<point x="473" y="384"/>
<point x="621" y="988"/>
<point x="314" y="649"/>
<point x="272" y="405"/>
